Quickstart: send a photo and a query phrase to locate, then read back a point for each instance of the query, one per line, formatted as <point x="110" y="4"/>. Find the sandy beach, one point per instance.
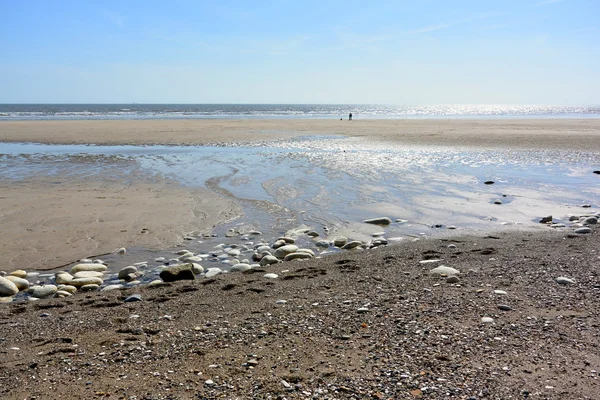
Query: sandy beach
<point x="62" y="219"/>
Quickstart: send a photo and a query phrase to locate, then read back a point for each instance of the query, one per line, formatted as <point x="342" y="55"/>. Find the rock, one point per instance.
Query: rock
<point x="157" y="283"/>
<point x="271" y="276"/>
<point x="322" y="243"/>
<point x="92" y="287"/>
<point x="586" y="221"/>
<point x="178" y="273"/>
<point x="234" y="253"/>
<point x="307" y="251"/>
<point x="88" y="274"/>
<point x="281" y="302"/>
<point x="192" y="259"/>
<point x="597" y="172"/>
<point x="504" y="307"/>
<point x="452" y="246"/>
<point x="312" y="234"/>
<point x="79" y="282"/>
<point x="499" y="292"/>
<point x="278" y="244"/>
<point x="558" y="225"/>
<point x="263" y="248"/>
<point x="210" y="272"/>
<point x="443" y="270"/>
<point x="121" y="251"/>
<point x="583" y="230"/>
<point x="7" y="287"/>
<point x="564" y="281"/>
<point x="297" y="256"/>
<point x="378" y="221"/>
<point x="488" y="182"/>
<point x="283" y="251"/>
<point x="288" y="240"/>
<point x="497" y="201"/>
<point x="62" y="293"/>
<point x="20" y="283"/>
<point x="487" y="320"/>
<point x="133" y="298"/>
<point x="112" y="287"/>
<point x="268" y="260"/>
<point x="6" y="299"/>
<point x="546" y="219"/>
<point x="241" y="267"/>
<point x="340" y="241"/>
<point x="452" y="279"/>
<point x="197" y="269"/>
<point x="126" y="271"/>
<point x="42" y="292"/>
<point x="68" y="288"/>
<point x="19" y="273"/>
<point x="88" y="267"/>
<point x="209" y="382"/>
<point x="63" y="278"/>
<point x="351" y="245"/>
<point x="362" y="310"/>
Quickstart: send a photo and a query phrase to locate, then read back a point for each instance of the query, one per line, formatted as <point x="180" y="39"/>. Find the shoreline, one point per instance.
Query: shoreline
<point x="576" y="134"/>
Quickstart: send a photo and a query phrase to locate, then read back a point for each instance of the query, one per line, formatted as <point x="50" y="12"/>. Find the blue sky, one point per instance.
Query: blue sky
<point x="392" y="52"/>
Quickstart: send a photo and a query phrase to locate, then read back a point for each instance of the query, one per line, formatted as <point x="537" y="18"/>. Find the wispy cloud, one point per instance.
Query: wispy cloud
<point x="547" y="2"/>
<point x="432" y="28"/>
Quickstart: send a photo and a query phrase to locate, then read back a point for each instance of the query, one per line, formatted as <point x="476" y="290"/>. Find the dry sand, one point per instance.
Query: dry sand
<point x="581" y="134"/>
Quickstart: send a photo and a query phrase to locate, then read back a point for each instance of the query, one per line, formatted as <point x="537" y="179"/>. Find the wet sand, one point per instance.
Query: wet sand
<point x="48" y="222"/>
<point x="489" y="133"/>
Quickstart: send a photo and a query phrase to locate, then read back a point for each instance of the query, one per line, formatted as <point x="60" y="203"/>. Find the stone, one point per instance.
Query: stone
<point x="378" y="221"/>
<point x="89" y="287"/>
<point x="79" y="282"/>
<point x="564" y="280"/>
<point x="452" y="246"/>
<point x="19" y="273"/>
<point x="271" y="276"/>
<point x="20" y="283"/>
<point x="488" y="182"/>
<point x="597" y="172"/>
<point x="197" y="268"/>
<point x="123" y="274"/>
<point x="452" y="279"/>
<point x="192" y="259"/>
<point x="88" y="267"/>
<point x="6" y="299"/>
<point x="583" y="231"/>
<point x="297" y="256"/>
<point x="62" y="278"/>
<point x="177" y="273"/>
<point x="210" y="272"/>
<point x="278" y="244"/>
<point x="586" y="221"/>
<point x="62" y="293"/>
<point x="133" y="298"/>
<point x="67" y="288"/>
<point x="487" y="320"/>
<point x="307" y="251"/>
<point x="504" y="307"/>
<point x="546" y="219"/>
<point x="352" y="245"/>
<point x="444" y="270"/>
<point x="241" y="267"/>
<point x="234" y="253"/>
<point x="322" y="243"/>
<point x="362" y="310"/>
<point x="7" y="287"/>
<point x="498" y="202"/>
<point x="121" y="250"/>
<point x="268" y="260"/>
<point x="157" y="283"/>
<point x="288" y="240"/>
<point x="117" y="286"/>
<point x="283" y="251"/>
<point x="42" y="292"/>
<point x="340" y="241"/>
<point x="312" y="234"/>
<point x="500" y="292"/>
<point x="88" y="274"/>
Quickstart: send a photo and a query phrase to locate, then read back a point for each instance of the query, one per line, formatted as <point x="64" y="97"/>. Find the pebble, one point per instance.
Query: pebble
<point x="210" y="272"/>
<point x="240" y="267"/>
<point x="209" y="382"/>
<point x="63" y="293"/>
<point x="452" y="246"/>
<point x="19" y="273"/>
<point x="121" y="250"/>
<point x="590" y="221"/>
<point x="268" y="260"/>
<point x="504" y="307"/>
<point x="500" y="292"/>
<point x="91" y="287"/>
<point x="281" y="302"/>
<point x="487" y="320"/>
<point x="271" y="276"/>
<point x="67" y="288"/>
<point x="452" y="279"/>
<point x="564" y="281"/>
<point x="283" y="251"/>
<point x="322" y="243"/>
<point x="20" y="283"/>
<point x="7" y="287"/>
<point x="352" y="245"/>
<point x="340" y="241"/>
<point x="443" y="270"/>
<point x="63" y="278"/>
<point x="288" y="240"/>
<point x="362" y="310"/>
<point x="88" y="267"/>
<point x="79" y="282"/>
<point x="546" y="219"/>
<point x="378" y="221"/>
<point x="112" y="287"/>
<point x="126" y="271"/>
<point x="133" y="298"/>
<point x="297" y="255"/>
<point x="42" y="292"/>
<point x="583" y="230"/>
<point x="178" y="273"/>
<point x="88" y="274"/>
<point x="488" y="182"/>
<point x="498" y="202"/>
<point x="429" y="261"/>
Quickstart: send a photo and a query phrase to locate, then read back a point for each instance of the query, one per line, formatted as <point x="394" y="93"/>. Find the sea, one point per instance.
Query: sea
<point x="136" y="111"/>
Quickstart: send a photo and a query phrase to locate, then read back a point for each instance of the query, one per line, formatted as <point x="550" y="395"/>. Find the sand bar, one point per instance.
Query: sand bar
<point x="516" y="133"/>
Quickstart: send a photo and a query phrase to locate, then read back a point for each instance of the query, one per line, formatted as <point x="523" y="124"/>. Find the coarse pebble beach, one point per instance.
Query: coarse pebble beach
<point x="292" y="258"/>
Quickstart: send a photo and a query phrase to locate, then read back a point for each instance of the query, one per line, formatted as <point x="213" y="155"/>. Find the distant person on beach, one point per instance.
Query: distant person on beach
<point x="350" y="117"/>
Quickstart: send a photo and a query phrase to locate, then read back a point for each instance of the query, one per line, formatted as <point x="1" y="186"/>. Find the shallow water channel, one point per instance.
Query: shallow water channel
<point x="331" y="184"/>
